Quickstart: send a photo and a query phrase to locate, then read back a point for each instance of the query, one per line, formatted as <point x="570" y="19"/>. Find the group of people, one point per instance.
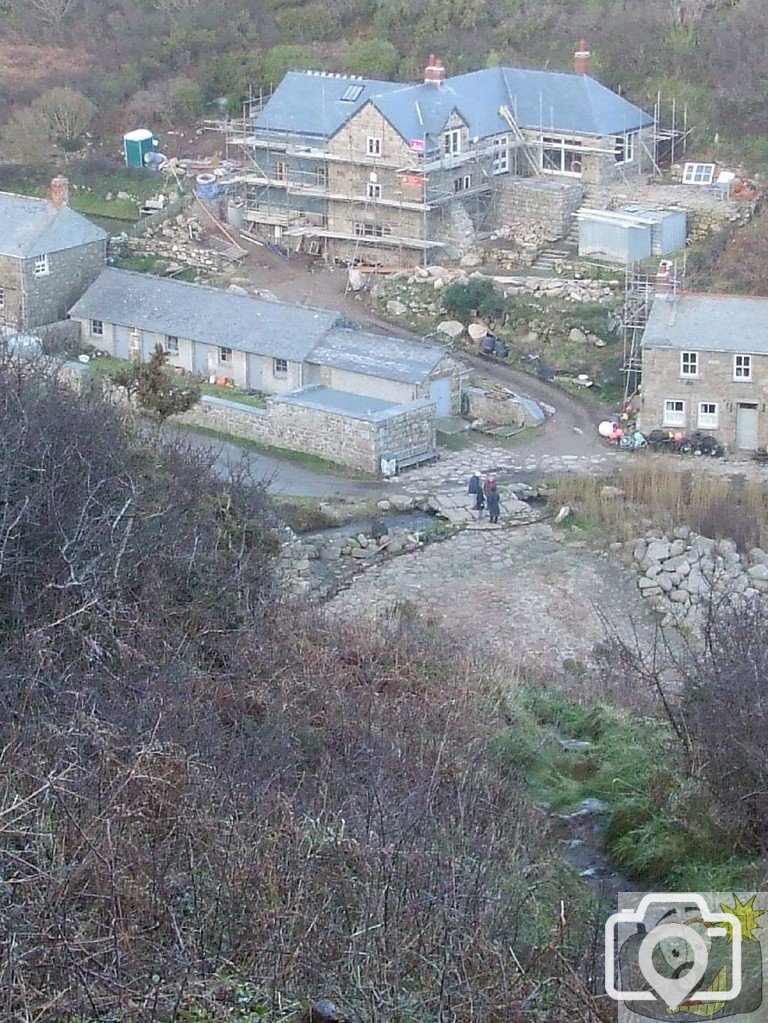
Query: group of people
<point x="486" y="495"/>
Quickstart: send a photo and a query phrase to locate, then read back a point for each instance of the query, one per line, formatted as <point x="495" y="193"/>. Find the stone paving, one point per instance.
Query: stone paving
<point x="455" y="467"/>
<point x="526" y="594"/>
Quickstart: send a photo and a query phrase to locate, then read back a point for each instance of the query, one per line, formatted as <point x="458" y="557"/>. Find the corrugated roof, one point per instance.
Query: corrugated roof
<point x="550" y="100"/>
<point x="32" y="227"/>
<point x="377" y="355"/>
<point x="201" y="313"/>
<point x="708" y="323"/>
<point x="310" y="103"/>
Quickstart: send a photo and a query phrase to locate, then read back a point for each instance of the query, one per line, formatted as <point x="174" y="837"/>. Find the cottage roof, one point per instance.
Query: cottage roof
<point x="546" y="100"/>
<point x="33" y="227"/>
<point x="205" y="314"/>
<point x="377" y="355"/>
<point x="708" y="323"/>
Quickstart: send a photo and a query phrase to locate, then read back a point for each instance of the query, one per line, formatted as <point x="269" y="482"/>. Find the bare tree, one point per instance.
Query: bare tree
<point x="52" y="12"/>
<point x="67" y="113"/>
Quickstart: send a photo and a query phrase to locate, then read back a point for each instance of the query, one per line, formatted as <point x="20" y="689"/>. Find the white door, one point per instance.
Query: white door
<point x="746" y="427"/>
<point x="440" y="394"/>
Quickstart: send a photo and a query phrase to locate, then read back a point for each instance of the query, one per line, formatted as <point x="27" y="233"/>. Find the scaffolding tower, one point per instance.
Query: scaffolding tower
<point x="641" y="287"/>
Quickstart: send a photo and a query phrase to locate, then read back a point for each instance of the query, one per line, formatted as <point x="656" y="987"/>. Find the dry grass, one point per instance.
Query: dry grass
<point x="654" y="491"/>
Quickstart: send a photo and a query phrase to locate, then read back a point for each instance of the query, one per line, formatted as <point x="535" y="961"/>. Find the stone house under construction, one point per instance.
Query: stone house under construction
<point x="386" y="172"/>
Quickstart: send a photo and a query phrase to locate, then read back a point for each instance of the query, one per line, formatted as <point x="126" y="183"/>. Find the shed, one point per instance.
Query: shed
<point x="614" y="237"/>
<point x="631" y="233"/>
<point x="668" y="230"/>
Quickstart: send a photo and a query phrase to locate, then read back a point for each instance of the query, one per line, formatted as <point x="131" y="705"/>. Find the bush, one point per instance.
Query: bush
<point x="186" y="98"/>
<point x="375" y="58"/>
<point x="463" y="298"/>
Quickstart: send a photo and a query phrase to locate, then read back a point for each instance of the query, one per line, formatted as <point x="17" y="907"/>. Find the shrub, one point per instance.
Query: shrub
<point x="478" y="294"/>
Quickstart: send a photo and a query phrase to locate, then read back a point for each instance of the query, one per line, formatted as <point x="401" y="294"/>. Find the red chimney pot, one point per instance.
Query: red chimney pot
<point x="582" y="60"/>
<point x="435" y="71"/>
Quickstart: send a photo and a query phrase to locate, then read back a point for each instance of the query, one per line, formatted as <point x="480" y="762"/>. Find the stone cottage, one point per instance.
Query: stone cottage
<point x="705" y="367"/>
<point x="273" y="347"/>
<point x="49" y="254"/>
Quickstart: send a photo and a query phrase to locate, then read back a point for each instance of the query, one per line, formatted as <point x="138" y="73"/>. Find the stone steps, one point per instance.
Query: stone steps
<point x="551" y="259"/>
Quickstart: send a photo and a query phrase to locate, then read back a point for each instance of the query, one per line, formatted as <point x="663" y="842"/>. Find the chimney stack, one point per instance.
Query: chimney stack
<point x="59" y="192"/>
<point x="434" y="71"/>
<point x="582" y="60"/>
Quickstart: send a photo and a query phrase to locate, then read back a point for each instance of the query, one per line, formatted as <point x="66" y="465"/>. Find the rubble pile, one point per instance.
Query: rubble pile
<point x="181" y="241"/>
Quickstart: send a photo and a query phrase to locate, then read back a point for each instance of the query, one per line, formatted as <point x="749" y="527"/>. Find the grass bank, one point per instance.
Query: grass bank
<point x="653" y="489"/>
<point x="661" y="825"/>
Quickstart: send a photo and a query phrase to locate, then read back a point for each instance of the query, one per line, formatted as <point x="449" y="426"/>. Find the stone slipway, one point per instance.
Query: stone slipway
<point x="526" y="594"/>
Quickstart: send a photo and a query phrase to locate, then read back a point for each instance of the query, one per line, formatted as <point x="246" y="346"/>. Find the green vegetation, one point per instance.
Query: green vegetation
<point x="661" y="822"/>
<point x="234" y="394"/>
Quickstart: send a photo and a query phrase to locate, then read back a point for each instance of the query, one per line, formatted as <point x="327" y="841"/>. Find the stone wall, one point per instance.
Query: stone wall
<point x="358" y="443"/>
<point x="685" y="572"/>
<point x="10" y="283"/>
<point x="496" y="407"/>
<point x="534" y="211"/>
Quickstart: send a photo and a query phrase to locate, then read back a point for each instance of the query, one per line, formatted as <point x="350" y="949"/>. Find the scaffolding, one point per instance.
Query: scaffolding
<point x="284" y="182"/>
<point x="641" y="287"/>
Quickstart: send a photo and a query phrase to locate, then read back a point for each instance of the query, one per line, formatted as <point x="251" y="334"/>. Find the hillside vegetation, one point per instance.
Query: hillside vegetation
<point x="213" y="806"/>
<point x="173" y="58"/>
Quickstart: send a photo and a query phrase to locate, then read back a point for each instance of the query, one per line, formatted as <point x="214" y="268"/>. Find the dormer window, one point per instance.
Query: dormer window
<point x="452" y="142"/>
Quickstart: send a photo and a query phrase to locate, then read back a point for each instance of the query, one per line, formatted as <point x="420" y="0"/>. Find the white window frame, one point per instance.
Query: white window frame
<point x="373" y="145"/>
<point x="708" y="420"/>
<point x="135" y="342"/>
<point x="569" y="151"/>
<point x="742" y="368"/>
<point x="674" y="416"/>
<point x="373" y="190"/>
<point x="280" y="367"/>
<point x="2" y="297"/>
<point x="97" y="328"/>
<point x="42" y="269"/>
<point x="462" y="183"/>
<point x="225" y="355"/>
<point x="321" y="176"/>
<point x="452" y="142"/>
<point x="689" y="361"/>
<point x="281" y="170"/>
<point x="626" y="147"/>
<point x="171" y="344"/>
<point x="698" y="173"/>
<point x="500" y="155"/>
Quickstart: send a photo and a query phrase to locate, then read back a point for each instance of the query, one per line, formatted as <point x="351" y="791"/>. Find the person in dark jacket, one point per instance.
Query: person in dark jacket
<point x="494" y="503"/>
<point x="475" y="488"/>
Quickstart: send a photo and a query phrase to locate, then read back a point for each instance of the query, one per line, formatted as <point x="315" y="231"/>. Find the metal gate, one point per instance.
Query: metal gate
<point x="746" y="427"/>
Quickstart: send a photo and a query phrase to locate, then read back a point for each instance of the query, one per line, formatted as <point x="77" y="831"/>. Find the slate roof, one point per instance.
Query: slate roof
<point x="32" y="227"/>
<point x="345" y="403"/>
<point x="554" y="101"/>
<point x="310" y="103"/>
<point x="201" y="313"/>
<point x="709" y="323"/>
<point x="377" y="355"/>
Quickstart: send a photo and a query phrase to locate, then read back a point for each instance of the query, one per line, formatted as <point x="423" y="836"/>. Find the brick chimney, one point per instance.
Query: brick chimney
<point x="434" y="71"/>
<point x="582" y="60"/>
<point x="59" y="195"/>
